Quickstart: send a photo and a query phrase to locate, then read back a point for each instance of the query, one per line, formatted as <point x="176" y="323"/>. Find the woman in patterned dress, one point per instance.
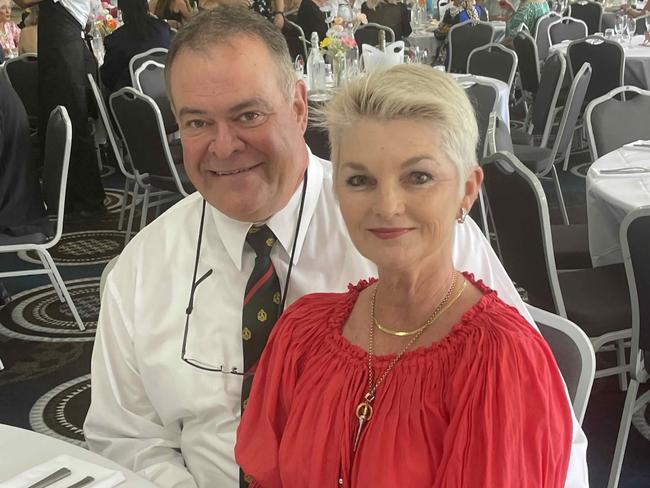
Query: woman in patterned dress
<point x="9" y="31"/>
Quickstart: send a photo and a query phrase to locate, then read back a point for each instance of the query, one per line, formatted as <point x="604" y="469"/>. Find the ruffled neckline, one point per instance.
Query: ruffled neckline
<point x="457" y="335"/>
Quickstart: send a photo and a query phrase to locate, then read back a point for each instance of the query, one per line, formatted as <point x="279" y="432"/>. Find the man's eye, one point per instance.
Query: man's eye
<point x="419" y="178"/>
<point x="196" y="124"/>
<point x="357" y="180"/>
<point x="249" y="116"/>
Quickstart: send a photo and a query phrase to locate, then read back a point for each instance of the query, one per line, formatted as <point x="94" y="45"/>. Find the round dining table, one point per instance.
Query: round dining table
<point x="23" y="449"/>
<point x="617" y="183"/>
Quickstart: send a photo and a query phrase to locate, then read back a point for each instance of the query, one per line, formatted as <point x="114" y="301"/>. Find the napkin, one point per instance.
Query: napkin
<point x="374" y="59"/>
<point x="104" y="477"/>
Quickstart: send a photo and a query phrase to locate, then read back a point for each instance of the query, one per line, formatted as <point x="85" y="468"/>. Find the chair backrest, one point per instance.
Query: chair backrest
<point x="573" y="354"/>
<point x="484" y="96"/>
<point x="550" y="85"/>
<point x="641" y="25"/>
<point x="56" y="162"/>
<point x="150" y="80"/>
<point x="590" y="12"/>
<point x="442" y="6"/>
<point x="607" y="61"/>
<point x="295" y="37"/>
<point x="495" y="61"/>
<point x="528" y="61"/>
<point x="369" y="34"/>
<point x="140" y="124"/>
<point x="541" y="33"/>
<point x="463" y="38"/>
<point x="158" y="54"/>
<point x="635" y="236"/>
<point x="612" y="123"/>
<point x="22" y="73"/>
<point x="498" y="135"/>
<point x="517" y="202"/>
<point x="566" y="29"/>
<point x="570" y="115"/>
<point x="108" y="126"/>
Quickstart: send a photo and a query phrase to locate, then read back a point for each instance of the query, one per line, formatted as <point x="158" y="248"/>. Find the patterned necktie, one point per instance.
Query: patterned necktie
<point x="261" y="309"/>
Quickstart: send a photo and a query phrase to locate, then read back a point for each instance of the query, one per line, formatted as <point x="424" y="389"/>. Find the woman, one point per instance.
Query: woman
<point x="460" y="11"/>
<point x="9" y="30"/>
<point x="175" y="12"/>
<point x="141" y="31"/>
<point x="423" y="377"/>
<point x="29" y="35"/>
<point x="391" y="13"/>
<point x="311" y="18"/>
<point x="528" y="13"/>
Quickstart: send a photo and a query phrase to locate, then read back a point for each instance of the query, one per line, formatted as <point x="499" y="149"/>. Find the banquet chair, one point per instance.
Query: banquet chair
<point x="141" y="126"/>
<point x="570" y="242"/>
<point x="58" y="142"/>
<point x="463" y="38"/>
<point x="150" y="80"/>
<point x="369" y="34"/>
<point x="528" y="66"/>
<point x="296" y="41"/>
<point x="611" y="123"/>
<point x="566" y="29"/>
<point x="573" y="354"/>
<point x="640" y="25"/>
<point x="117" y="147"/>
<point x="22" y="73"/>
<point x="595" y="299"/>
<point x="635" y="235"/>
<point x="590" y="12"/>
<point x="495" y="61"/>
<point x="158" y="54"/>
<point x="607" y="61"/>
<point x="541" y="34"/>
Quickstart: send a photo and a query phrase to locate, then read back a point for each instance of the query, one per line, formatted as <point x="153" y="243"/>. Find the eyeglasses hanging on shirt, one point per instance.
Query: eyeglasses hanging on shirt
<point x="195" y="284"/>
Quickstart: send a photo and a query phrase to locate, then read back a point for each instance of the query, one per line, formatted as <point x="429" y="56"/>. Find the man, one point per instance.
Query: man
<point x="167" y="393"/>
<point x="63" y="62"/>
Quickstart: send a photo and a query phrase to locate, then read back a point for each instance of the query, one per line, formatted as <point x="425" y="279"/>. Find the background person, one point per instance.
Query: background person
<point x="528" y="12"/>
<point x="175" y="12"/>
<point x="29" y="34"/>
<point x="311" y="18"/>
<point x="9" y="30"/>
<point x="391" y="13"/>
<point x="168" y="411"/>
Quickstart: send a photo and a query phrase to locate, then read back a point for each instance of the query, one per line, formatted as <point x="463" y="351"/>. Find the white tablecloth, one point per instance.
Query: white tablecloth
<point x="611" y="197"/>
<point x="637" y="62"/>
<point x="22" y="449"/>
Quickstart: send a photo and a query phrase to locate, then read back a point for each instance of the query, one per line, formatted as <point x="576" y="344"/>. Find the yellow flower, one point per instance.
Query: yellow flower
<point x="326" y="42"/>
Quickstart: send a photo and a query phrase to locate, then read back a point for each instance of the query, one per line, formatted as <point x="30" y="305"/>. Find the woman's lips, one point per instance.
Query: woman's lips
<point x="390" y="232"/>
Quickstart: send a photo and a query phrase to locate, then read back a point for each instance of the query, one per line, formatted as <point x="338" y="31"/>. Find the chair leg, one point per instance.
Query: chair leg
<point x="145" y="209"/>
<point x="129" y="225"/>
<point x="65" y="292"/>
<point x="556" y="181"/>
<point x="623" y="432"/>
<point x="50" y="275"/>
<point x="620" y="361"/>
<point x="120" y="222"/>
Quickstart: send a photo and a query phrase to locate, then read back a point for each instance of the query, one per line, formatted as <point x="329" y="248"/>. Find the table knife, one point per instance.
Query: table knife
<point x="82" y="482"/>
<point x="59" y="474"/>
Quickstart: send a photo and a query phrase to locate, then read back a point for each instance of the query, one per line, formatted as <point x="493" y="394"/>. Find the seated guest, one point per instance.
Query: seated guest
<point x="391" y="13"/>
<point x="528" y="13"/>
<point x="175" y="12"/>
<point x="29" y="35"/>
<point x="21" y="203"/>
<point x="141" y="31"/>
<point x="460" y="11"/>
<point x="420" y="376"/>
<point x="311" y="18"/>
<point x="494" y="9"/>
<point x="9" y="30"/>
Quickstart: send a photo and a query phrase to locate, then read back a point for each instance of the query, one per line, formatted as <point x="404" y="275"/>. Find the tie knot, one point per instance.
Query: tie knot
<point x="261" y="239"/>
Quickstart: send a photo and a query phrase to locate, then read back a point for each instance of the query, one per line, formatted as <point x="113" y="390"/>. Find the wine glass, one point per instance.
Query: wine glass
<point x="299" y="66"/>
<point x="618" y="25"/>
<point x="631" y="28"/>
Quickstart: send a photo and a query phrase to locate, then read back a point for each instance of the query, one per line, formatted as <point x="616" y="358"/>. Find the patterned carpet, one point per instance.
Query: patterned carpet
<point x="46" y="384"/>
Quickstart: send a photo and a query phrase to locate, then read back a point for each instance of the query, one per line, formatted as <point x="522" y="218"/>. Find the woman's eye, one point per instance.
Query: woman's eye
<point x="419" y="178"/>
<point x="357" y="180"/>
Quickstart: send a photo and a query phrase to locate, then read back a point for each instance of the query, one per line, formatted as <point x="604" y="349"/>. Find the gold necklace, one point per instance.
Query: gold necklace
<point x="407" y="333"/>
<point x="364" y="410"/>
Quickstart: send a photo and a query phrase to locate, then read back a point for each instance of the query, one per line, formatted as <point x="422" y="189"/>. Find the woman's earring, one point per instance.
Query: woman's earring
<point x="463" y="216"/>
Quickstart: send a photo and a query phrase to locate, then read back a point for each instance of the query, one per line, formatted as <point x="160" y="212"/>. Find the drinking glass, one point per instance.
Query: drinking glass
<point x="631" y="28"/>
<point x="647" y="23"/>
<point x="609" y="33"/>
<point x="619" y="24"/>
<point x="299" y="67"/>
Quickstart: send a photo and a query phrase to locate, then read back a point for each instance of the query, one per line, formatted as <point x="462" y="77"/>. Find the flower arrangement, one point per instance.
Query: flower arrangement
<point x="105" y="23"/>
<point x="340" y="35"/>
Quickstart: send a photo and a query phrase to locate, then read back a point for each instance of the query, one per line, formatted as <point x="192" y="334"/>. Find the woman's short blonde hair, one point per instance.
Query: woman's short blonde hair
<point x="408" y="91"/>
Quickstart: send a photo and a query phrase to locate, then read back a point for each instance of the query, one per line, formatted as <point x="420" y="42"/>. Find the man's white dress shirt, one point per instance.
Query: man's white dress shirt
<point x="165" y="419"/>
<point x="81" y="9"/>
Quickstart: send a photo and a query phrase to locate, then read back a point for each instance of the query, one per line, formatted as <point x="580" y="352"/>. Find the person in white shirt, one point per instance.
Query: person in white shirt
<point x="166" y="385"/>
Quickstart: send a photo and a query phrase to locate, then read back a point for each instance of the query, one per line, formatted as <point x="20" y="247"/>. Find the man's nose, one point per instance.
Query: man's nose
<point x="225" y="142"/>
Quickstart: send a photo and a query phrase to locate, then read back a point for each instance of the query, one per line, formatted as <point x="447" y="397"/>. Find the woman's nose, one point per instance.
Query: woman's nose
<point x="389" y="201"/>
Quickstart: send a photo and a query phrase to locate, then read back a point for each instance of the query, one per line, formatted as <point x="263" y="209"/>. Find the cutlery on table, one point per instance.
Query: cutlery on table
<point x="82" y="482"/>
<point x="625" y="170"/>
<point x="59" y="474"/>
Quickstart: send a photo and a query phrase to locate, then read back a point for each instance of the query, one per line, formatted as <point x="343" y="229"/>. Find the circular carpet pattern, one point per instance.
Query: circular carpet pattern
<point x="82" y="248"/>
<point x="38" y="315"/>
<point x="580" y="170"/>
<point x="106" y="171"/>
<point x="640" y="421"/>
<point x="113" y="200"/>
<point x="61" y="411"/>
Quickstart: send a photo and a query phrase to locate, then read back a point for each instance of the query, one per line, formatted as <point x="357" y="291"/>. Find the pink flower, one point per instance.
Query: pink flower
<point x="349" y="41"/>
<point x="337" y="28"/>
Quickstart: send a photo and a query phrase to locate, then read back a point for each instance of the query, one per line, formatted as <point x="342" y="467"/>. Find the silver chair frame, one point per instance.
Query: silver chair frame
<point x="501" y="47"/>
<point x="565" y="20"/>
<point x="137" y="57"/>
<point x="459" y="26"/>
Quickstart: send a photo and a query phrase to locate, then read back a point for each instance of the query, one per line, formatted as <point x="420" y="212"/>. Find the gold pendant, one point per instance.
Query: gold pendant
<point x="364" y="414"/>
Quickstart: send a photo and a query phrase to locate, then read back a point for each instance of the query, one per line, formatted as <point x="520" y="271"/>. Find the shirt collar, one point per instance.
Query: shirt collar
<point x="283" y="224"/>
